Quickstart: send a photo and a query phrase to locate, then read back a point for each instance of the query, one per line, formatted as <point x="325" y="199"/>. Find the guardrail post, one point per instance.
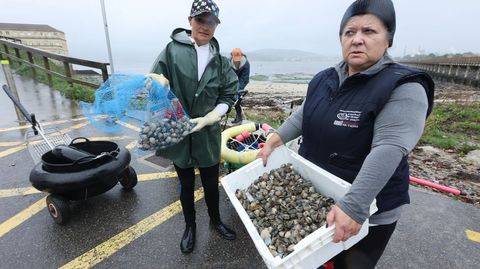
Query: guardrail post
<point x="477" y="77"/>
<point x="456" y="74"/>
<point x="68" y="72"/>
<point x="5" y="47"/>
<point x="444" y="72"/>
<point x="104" y="73"/>
<point x="17" y="53"/>
<point x="30" y="59"/>
<point x="11" y="84"/>
<point x="46" y="63"/>
<point x="465" y="77"/>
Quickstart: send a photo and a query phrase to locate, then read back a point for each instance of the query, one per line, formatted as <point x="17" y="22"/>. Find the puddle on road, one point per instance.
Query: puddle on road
<point x="39" y="99"/>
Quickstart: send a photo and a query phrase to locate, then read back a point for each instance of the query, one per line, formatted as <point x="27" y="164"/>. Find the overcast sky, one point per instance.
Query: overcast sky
<point x="140" y="29"/>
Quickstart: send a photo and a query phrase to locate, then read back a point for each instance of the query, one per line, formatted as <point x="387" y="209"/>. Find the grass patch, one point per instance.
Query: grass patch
<point x="453" y="126"/>
<point x="272" y="118"/>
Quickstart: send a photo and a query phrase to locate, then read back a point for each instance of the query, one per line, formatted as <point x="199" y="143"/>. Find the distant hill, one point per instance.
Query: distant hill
<point x="285" y="55"/>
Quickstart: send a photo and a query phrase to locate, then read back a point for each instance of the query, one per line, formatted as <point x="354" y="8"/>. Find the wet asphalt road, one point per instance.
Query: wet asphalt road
<point x="430" y="234"/>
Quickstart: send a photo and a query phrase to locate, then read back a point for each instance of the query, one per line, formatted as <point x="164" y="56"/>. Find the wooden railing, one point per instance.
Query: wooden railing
<point x="13" y="52"/>
<point x="463" y="70"/>
<point x="11" y="39"/>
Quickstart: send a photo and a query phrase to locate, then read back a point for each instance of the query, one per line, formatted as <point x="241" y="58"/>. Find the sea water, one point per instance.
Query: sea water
<point x="288" y="67"/>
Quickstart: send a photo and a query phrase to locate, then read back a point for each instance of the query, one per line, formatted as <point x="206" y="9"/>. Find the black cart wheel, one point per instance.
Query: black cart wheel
<point x="59" y="208"/>
<point x="129" y="178"/>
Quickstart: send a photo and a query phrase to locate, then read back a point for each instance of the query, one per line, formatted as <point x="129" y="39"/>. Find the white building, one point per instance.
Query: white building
<point x="36" y="35"/>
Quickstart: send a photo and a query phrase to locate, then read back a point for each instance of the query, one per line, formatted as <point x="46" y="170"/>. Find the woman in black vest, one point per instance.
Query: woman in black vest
<point x="359" y="121"/>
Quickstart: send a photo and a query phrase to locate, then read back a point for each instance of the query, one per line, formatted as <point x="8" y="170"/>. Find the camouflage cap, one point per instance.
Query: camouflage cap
<point x="205" y="6"/>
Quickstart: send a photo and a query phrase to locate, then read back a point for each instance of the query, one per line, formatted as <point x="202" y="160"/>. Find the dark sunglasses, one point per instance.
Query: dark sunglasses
<point x="206" y="21"/>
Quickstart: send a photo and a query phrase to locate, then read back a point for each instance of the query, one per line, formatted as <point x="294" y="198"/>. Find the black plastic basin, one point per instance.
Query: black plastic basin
<point x="82" y="178"/>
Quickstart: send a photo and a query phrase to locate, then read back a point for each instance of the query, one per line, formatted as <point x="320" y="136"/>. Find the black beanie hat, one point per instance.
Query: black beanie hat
<point x="383" y="9"/>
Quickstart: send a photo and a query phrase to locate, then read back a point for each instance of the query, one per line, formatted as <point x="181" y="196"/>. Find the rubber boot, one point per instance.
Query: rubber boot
<point x="188" y="238"/>
<point x="238" y="117"/>
<point x="223" y="230"/>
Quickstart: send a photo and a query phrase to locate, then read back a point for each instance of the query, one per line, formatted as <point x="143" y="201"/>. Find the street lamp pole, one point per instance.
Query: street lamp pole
<point x="107" y="36"/>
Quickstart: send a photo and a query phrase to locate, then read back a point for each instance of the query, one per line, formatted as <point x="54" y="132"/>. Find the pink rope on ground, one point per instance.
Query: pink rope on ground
<point x="435" y="185"/>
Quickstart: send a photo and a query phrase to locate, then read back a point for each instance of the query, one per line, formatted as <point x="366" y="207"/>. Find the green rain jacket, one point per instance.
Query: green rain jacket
<point x="219" y="84"/>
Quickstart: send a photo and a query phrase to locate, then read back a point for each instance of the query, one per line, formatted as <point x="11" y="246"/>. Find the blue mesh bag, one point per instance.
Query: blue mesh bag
<point x="107" y="108"/>
<point x="163" y="119"/>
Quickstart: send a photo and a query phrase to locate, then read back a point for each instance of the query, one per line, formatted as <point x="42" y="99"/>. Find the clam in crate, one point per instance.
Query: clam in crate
<point x="317" y="247"/>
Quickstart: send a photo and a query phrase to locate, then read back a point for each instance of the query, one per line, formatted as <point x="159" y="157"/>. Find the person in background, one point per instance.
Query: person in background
<point x="205" y="85"/>
<point x="241" y="66"/>
<point x="359" y="121"/>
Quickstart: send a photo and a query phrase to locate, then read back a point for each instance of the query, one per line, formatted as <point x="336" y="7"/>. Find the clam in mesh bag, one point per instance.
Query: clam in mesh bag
<point x="167" y="126"/>
<point x="167" y="123"/>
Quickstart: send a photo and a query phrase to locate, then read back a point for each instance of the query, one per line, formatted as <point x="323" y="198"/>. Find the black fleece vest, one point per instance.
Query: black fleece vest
<point x="338" y="124"/>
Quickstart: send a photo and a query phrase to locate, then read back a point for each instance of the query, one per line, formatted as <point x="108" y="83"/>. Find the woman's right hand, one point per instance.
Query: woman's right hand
<point x="272" y="142"/>
<point x="264" y="153"/>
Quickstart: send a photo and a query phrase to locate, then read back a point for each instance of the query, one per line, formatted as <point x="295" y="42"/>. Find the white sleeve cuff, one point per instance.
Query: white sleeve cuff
<point x="221" y="109"/>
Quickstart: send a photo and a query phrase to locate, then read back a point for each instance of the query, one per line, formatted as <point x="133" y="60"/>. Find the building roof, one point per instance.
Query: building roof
<point x="27" y="27"/>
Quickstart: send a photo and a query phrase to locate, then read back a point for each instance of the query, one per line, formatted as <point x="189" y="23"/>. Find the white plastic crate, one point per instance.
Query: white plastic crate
<point x="315" y="249"/>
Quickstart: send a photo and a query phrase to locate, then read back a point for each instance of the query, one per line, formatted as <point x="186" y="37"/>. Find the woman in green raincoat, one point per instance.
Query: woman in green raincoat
<point x="205" y="84"/>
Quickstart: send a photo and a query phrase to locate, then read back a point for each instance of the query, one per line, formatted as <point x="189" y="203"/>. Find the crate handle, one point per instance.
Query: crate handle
<point x="313" y="241"/>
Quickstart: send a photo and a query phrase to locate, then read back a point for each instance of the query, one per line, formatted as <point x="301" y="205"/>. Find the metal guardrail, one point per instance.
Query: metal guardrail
<point x="462" y="70"/>
<point x="472" y="61"/>
<point x="48" y="57"/>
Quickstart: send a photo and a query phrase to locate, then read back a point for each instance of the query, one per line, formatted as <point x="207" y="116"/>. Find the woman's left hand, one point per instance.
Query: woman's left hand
<point x="345" y="227"/>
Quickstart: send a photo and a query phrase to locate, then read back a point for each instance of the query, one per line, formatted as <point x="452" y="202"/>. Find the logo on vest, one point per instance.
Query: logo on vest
<point x="348" y="118"/>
